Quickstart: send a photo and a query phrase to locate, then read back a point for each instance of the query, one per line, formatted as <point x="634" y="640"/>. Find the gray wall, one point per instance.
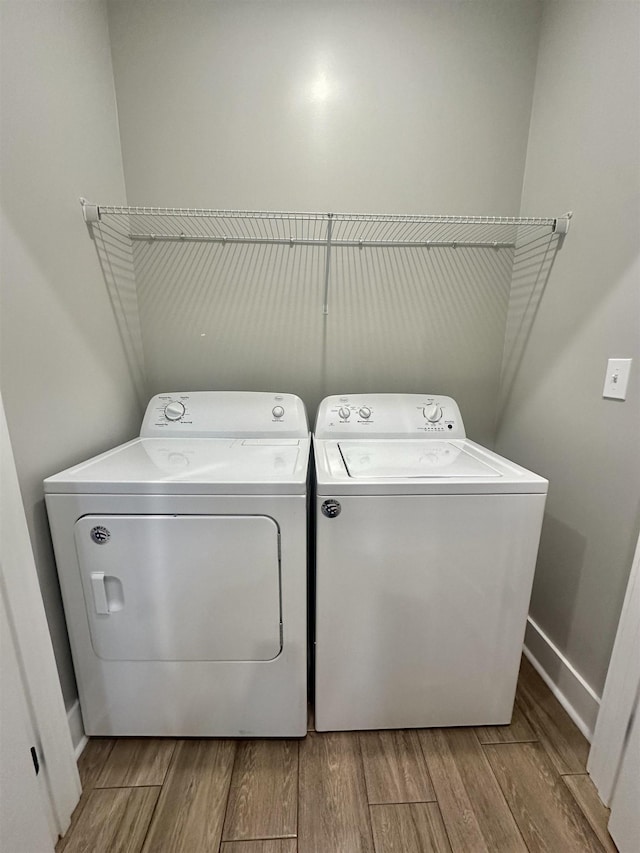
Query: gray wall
<point x="405" y="107"/>
<point x="65" y="383"/>
<point x="584" y="153"/>
<point x="372" y="107"/>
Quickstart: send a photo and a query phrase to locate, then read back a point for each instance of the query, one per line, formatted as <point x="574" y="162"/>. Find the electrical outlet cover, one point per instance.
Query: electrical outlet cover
<point x="617" y="378"/>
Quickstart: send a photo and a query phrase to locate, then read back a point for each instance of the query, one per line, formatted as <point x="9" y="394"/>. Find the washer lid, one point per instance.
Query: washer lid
<point x="407" y="458"/>
<point x="191" y="466"/>
<point x="417" y="467"/>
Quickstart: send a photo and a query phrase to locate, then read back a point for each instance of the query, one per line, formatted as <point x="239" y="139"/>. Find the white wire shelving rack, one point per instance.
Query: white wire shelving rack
<point x="328" y="230"/>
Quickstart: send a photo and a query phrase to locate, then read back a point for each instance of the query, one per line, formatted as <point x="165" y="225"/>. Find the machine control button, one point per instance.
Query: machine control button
<point x="277" y="411"/>
<point x="174" y="410"/>
<point x="365" y="412"/>
<point x="432" y="413"/>
<point x="344" y="412"/>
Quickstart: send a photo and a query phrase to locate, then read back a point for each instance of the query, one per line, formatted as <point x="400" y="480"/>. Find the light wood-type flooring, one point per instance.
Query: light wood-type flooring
<point x="507" y="789"/>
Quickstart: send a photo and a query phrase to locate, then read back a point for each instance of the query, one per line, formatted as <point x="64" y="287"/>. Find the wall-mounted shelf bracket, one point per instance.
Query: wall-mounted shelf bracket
<point x="90" y="212"/>
<point x="561" y="224"/>
<point x="327" y="265"/>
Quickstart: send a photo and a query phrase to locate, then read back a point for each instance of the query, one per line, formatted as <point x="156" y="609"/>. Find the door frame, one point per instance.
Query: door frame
<point x="620" y="691"/>
<point x="26" y="821"/>
<point x="20" y="588"/>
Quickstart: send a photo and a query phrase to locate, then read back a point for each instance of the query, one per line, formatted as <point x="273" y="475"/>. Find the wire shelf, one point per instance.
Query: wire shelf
<point x="325" y="230"/>
<point x="358" y="230"/>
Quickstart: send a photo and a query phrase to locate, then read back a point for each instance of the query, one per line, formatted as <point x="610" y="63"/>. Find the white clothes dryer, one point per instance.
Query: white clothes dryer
<point x="182" y="558"/>
<point x="425" y="552"/>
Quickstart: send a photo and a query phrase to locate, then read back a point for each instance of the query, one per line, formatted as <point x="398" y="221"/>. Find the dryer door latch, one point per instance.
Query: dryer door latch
<point x="99" y="593"/>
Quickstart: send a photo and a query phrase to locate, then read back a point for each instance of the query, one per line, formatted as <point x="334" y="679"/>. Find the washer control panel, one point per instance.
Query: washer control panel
<point x="216" y="414"/>
<point x="389" y="416"/>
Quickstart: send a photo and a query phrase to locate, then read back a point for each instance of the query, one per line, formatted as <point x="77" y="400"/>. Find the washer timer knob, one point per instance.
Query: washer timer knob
<point x="174" y="410"/>
<point x="277" y="411"/>
<point x="344" y="412"/>
<point x="365" y="412"/>
<point x="432" y="413"/>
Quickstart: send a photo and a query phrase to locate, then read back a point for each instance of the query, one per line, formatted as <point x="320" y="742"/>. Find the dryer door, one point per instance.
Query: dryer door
<point x="180" y="587"/>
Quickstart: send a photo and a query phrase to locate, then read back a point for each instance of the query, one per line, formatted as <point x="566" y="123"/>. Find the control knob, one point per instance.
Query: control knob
<point x="365" y="412"/>
<point x="432" y="413"/>
<point x="174" y="410"/>
<point x="277" y="411"/>
<point x="344" y="412"/>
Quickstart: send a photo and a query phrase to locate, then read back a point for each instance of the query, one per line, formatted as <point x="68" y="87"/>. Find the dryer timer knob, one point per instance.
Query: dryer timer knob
<point x="432" y="413"/>
<point x="174" y="411"/>
<point x="344" y="412"/>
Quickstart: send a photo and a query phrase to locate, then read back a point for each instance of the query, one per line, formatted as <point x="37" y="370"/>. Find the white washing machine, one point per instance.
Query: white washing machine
<point x="182" y="558"/>
<point x="425" y="552"/>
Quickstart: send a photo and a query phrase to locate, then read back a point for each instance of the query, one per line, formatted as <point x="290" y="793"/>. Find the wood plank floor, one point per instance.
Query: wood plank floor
<point x="498" y="789"/>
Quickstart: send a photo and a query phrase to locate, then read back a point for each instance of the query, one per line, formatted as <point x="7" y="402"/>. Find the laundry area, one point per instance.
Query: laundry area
<point x="319" y="352"/>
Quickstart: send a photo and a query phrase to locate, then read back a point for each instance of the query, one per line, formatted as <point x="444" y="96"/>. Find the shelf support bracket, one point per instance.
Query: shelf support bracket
<point x="327" y="264"/>
<point x="90" y="212"/>
<point x="561" y="224"/>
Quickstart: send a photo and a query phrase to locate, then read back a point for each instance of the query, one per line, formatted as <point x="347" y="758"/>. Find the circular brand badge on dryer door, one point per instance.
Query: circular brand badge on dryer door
<point x="100" y="535"/>
<point x="331" y="508"/>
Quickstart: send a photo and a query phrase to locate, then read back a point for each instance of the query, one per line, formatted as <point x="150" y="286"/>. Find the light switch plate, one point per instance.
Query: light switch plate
<point x="617" y="378"/>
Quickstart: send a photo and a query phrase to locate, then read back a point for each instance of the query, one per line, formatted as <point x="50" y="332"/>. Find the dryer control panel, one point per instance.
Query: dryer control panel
<point x="225" y="414"/>
<point x="389" y="416"/>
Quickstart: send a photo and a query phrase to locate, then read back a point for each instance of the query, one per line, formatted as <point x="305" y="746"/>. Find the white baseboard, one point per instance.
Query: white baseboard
<point x="76" y="727"/>
<point x="570" y="689"/>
